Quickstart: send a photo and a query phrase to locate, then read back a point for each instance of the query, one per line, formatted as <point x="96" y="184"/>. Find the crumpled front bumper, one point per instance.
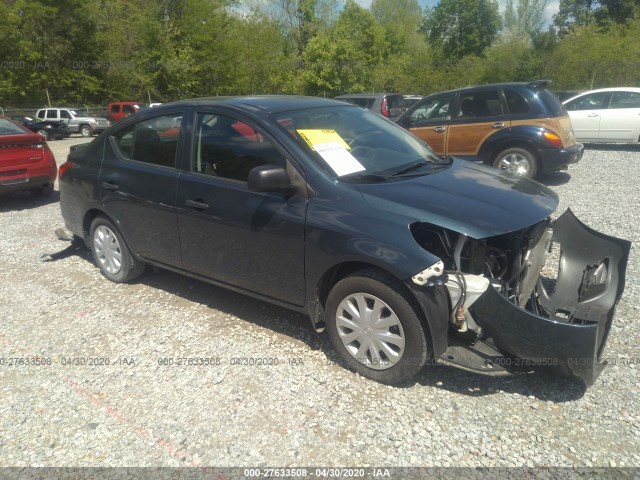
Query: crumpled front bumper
<point x="571" y="327"/>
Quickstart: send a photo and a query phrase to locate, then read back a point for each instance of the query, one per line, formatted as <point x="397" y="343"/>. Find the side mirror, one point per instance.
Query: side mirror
<point x="269" y="178"/>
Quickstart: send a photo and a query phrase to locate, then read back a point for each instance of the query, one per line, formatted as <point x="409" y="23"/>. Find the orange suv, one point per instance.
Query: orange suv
<point x="518" y="127"/>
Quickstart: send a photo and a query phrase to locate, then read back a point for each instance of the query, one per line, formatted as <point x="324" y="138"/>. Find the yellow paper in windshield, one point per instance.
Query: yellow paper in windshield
<point x="333" y="149"/>
<point x="322" y="137"/>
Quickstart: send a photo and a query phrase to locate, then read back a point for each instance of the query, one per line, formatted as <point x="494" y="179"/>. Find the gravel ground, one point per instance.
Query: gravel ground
<point x="298" y="408"/>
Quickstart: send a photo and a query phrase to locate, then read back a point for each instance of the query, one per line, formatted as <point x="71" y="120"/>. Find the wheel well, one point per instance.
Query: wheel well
<point x="490" y="154"/>
<point x="88" y="219"/>
<point x="338" y="272"/>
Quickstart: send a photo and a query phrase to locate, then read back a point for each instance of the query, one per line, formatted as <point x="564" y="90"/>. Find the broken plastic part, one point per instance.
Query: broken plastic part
<point x="434" y="270"/>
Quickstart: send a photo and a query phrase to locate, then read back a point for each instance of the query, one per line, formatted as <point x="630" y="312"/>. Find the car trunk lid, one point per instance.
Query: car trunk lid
<point x="18" y="150"/>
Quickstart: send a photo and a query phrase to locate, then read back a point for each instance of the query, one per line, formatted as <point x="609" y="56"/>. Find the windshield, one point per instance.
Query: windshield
<point x="351" y="142"/>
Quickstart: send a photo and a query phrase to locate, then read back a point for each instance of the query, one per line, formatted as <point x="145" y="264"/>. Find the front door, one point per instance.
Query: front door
<point x="430" y="121"/>
<point x="250" y="240"/>
<point x="586" y="115"/>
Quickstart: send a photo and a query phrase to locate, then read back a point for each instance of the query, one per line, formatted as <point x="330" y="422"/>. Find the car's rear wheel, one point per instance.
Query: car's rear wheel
<point x="373" y="324"/>
<point x="517" y="161"/>
<point x="44" y="133"/>
<point x="111" y="254"/>
<point x="86" y="131"/>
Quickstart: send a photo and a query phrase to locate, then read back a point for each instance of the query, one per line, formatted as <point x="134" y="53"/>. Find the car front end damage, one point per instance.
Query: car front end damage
<point x="542" y="296"/>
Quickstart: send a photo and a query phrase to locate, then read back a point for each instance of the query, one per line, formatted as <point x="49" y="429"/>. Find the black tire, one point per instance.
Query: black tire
<point x="107" y="245"/>
<point x="44" y="133"/>
<point x="377" y="286"/>
<point x="43" y="191"/>
<point x="86" y="131"/>
<point x="518" y="161"/>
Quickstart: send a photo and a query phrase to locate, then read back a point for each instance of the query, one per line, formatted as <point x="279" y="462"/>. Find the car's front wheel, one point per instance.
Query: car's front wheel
<point x="111" y="254"/>
<point x="86" y="131"/>
<point x="517" y="161"/>
<point x="375" y="327"/>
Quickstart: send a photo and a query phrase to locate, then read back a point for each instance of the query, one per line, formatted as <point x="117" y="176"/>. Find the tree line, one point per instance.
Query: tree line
<point x="96" y="51"/>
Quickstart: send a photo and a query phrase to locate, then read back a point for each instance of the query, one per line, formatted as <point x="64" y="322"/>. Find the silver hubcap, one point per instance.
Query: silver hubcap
<point x="370" y="331"/>
<point x="107" y="250"/>
<point x="515" y="163"/>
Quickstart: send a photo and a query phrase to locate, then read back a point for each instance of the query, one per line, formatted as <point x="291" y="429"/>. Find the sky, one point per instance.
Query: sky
<point x="551" y="9"/>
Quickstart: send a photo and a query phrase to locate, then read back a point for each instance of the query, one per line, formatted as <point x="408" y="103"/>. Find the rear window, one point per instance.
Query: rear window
<point x="9" y="128"/>
<point x="395" y="101"/>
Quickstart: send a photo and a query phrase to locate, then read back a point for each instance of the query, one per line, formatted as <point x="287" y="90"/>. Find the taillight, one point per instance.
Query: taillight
<point x="553" y="139"/>
<point x="384" y="107"/>
<point x="65" y="167"/>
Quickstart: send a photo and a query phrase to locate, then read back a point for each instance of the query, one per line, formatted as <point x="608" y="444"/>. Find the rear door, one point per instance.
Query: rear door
<point x="250" y="240"/>
<point x="477" y="116"/>
<point x="138" y="185"/>
<point x="621" y="121"/>
<point x="586" y="114"/>
<point x="430" y="121"/>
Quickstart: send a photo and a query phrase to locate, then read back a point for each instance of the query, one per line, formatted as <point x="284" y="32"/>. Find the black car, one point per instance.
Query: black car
<point x="47" y="128"/>
<point x="329" y="209"/>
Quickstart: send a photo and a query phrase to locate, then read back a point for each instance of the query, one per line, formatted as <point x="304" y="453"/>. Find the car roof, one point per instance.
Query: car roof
<point x="366" y="95"/>
<point x="599" y="90"/>
<point x="536" y="85"/>
<point x="266" y="103"/>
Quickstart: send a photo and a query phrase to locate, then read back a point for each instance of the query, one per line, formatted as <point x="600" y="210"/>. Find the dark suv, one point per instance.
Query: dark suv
<point x="390" y="105"/>
<point x="519" y="127"/>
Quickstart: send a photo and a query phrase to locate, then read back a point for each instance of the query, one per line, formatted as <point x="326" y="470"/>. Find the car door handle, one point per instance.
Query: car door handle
<point x="498" y="125"/>
<point x="109" y="186"/>
<point x="439" y="129"/>
<point x="197" y="205"/>
<point x="594" y="115"/>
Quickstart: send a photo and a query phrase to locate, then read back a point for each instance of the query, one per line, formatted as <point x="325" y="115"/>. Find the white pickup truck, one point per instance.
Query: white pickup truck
<point x="84" y="125"/>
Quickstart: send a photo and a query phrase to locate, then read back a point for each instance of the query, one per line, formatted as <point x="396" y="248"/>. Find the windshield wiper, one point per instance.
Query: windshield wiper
<point x="410" y="168"/>
<point x="372" y="177"/>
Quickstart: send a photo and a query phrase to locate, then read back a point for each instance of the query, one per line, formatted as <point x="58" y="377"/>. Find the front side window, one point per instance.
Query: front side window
<point x="592" y="101"/>
<point x="152" y="141"/>
<point x="432" y="109"/>
<point x="64" y="114"/>
<point x="228" y="148"/>
<point x="625" y="100"/>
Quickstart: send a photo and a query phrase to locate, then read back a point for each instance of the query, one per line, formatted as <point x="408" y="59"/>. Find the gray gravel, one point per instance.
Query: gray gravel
<point x="303" y="411"/>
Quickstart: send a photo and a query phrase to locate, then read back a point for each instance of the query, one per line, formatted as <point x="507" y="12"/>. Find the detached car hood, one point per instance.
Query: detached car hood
<point x="478" y="201"/>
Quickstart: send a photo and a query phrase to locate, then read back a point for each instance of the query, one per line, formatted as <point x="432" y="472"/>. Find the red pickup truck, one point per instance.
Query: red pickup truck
<point x="119" y="110"/>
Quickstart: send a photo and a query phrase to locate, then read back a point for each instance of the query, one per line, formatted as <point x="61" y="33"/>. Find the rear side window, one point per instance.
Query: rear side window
<point x="52" y="114"/>
<point x="553" y="106"/>
<point x="625" y="100"/>
<point x="153" y="141"/>
<point x="480" y="104"/>
<point x="517" y="103"/>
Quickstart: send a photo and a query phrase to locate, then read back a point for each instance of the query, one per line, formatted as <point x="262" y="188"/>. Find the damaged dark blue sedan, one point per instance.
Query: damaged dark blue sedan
<point x="403" y="257"/>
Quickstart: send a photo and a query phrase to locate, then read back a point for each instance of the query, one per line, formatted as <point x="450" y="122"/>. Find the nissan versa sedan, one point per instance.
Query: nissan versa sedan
<point x="403" y="257"/>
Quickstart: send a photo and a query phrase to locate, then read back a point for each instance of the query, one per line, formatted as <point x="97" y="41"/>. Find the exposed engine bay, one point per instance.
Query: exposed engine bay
<point x="497" y="290"/>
